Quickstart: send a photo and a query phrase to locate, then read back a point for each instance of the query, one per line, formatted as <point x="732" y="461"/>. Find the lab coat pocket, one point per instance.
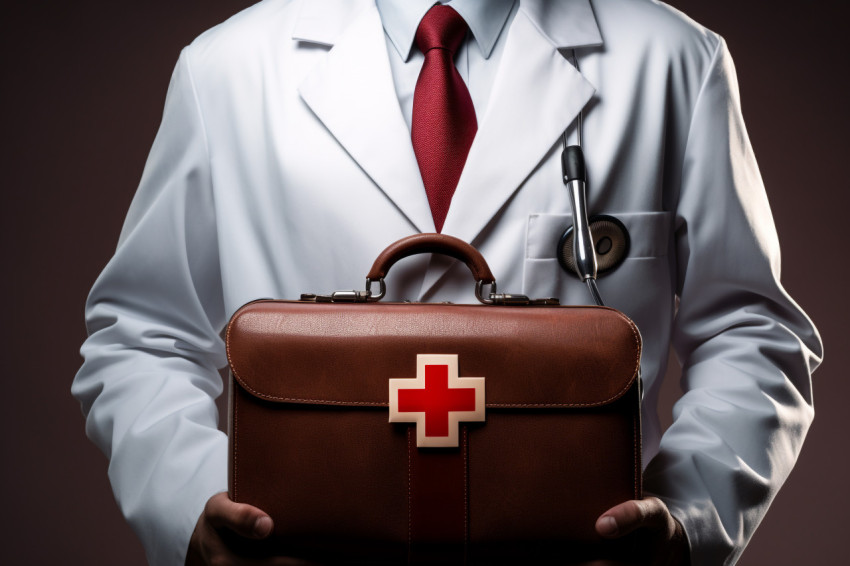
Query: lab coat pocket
<point x="641" y="280"/>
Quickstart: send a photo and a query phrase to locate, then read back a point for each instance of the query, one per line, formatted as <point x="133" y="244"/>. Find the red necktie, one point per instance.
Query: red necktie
<point x="443" y="116"/>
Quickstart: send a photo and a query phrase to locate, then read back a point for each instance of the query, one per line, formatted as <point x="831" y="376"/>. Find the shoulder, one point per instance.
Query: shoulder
<point x="655" y="53"/>
<point x="268" y="38"/>
<point x="656" y="32"/>
<point x="245" y="38"/>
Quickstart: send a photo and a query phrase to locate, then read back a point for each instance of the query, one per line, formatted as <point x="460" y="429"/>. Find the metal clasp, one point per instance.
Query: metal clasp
<point x="520" y="300"/>
<point x="479" y="291"/>
<point x="509" y="299"/>
<point x="350" y="296"/>
<point x="337" y="297"/>
<point x="382" y="287"/>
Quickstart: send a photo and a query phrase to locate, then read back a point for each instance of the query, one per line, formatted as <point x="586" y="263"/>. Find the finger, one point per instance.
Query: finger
<point x="241" y="518"/>
<point x="626" y="517"/>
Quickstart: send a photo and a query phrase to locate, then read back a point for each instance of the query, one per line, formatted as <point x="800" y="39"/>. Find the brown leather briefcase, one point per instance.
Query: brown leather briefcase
<point x="413" y="432"/>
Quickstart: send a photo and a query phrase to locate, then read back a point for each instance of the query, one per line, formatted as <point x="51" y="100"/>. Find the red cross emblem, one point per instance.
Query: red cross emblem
<point x="437" y="400"/>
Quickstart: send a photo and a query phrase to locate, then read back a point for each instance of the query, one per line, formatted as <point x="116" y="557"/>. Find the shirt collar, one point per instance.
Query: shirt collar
<point x="485" y="20"/>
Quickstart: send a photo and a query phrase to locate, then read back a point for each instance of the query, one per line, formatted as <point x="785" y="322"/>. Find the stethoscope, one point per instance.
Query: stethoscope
<point x="591" y="246"/>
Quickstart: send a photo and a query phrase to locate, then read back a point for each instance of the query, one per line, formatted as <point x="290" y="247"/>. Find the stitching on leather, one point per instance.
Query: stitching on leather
<point x="321" y="401"/>
<point x="549" y="405"/>
<point x="384" y="404"/>
<point x="598" y="403"/>
<point x="620" y="393"/>
<point x="267" y="397"/>
<point x="637" y="342"/>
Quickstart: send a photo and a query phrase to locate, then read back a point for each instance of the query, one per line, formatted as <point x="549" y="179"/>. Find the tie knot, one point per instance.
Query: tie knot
<point x="441" y="27"/>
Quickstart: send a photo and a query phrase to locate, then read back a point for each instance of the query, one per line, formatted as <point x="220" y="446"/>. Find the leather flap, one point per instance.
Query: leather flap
<point x="344" y="354"/>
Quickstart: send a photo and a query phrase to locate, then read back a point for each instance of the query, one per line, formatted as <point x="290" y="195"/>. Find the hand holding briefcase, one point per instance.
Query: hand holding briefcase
<point x="395" y="432"/>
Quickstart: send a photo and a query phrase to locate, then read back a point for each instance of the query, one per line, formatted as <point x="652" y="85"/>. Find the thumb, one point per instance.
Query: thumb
<point x="626" y="517"/>
<point x="241" y="518"/>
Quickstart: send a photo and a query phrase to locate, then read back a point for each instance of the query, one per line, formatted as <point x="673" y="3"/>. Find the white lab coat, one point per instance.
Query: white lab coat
<point x="283" y="165"/>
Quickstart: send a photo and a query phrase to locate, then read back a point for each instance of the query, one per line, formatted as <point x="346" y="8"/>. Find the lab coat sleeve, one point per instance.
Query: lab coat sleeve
<point x="154" y="316"/>
<point x="747" y="350"/>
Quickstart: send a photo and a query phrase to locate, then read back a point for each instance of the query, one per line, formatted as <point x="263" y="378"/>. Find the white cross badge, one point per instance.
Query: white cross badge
<point x="437" y="400"/>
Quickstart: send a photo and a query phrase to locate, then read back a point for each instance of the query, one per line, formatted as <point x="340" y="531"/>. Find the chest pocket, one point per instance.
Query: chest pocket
<point x="643" y="276"/>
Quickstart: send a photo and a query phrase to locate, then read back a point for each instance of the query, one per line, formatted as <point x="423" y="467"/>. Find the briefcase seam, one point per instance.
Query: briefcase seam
<point x="617" y="395"/>
<point x="261" y="395"/>
<point x="488" y="405"/>
<point x="317" y="401"/>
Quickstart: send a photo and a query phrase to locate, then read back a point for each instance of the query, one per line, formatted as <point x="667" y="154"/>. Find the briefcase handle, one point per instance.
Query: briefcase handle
<point x="432" y="244"/>
<point x="436" y="244"/>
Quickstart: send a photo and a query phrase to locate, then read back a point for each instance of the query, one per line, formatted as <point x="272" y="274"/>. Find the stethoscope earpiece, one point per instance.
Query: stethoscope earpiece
<point x="610" y="240"/>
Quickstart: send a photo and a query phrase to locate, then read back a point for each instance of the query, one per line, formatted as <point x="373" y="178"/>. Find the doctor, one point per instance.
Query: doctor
<point x="284" y="164"/>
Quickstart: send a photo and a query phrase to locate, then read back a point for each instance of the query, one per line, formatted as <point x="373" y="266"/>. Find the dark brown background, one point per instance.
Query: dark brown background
<point x="82" y="90"/>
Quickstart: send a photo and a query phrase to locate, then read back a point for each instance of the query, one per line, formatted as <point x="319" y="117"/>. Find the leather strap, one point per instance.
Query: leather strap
<point x="431" y="243"/>
<point x="438" y="500"/>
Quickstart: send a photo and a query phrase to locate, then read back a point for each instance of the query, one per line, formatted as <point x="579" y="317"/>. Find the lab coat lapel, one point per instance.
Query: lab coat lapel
<point x="352" y="93"/>
<point x="536" y="95"/>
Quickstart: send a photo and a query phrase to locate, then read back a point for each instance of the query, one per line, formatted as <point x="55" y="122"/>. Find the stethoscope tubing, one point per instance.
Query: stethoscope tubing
<point x="575" y="179"/>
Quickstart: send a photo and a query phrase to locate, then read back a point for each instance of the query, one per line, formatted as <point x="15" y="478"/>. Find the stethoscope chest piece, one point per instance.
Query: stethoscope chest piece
<point x="610" y="240"/>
